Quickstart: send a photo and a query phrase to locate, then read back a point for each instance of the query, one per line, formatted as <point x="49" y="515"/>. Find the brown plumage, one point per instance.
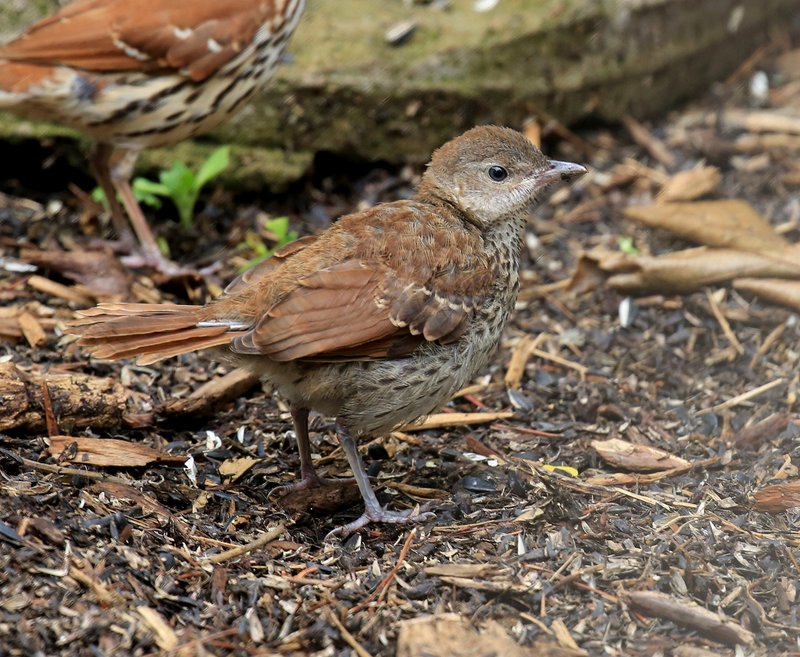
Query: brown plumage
<point x="134" y="74"/>
<point x="379" y="319"/>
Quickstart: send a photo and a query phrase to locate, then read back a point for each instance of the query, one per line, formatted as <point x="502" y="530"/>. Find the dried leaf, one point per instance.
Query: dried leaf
<point x="692" y="269"/>
<point x="235" y="468"/>
<point x="728" y="223"/>
<point x="776" y="290"/>
<point x="690" y="185"/>
<point x="639" y="458"/>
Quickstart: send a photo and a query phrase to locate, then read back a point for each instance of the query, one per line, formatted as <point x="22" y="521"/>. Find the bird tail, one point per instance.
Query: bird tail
<point x="149" y="331"/>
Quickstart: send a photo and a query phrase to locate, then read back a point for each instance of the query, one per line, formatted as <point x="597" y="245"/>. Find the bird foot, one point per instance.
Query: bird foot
<point x="411" y="516"/>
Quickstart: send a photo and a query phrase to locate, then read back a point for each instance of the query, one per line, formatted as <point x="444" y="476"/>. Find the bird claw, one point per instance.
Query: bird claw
<point x="416" y="515"/>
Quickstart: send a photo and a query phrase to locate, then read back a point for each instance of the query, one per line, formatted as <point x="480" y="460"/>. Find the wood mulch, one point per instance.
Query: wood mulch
<point x="623" y="480"/>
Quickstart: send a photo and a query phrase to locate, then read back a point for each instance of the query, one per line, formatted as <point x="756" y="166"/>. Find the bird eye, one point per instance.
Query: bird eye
<point x="497" y="173"/>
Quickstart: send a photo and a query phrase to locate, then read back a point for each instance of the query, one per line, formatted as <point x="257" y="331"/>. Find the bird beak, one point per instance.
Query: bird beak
<point x="561" y="172"/>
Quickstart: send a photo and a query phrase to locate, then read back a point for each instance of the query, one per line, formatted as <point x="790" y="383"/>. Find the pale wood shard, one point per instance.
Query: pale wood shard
<point x="440" y="420"/>
<point x="622" y="454"/>
<point x="32" y="329"/>
<point x="53" y="289"/>
<point x="648" y="141"/>
<point x="78" y="400"/>
<point x="687" y="613"/>
<point x="164" y="635"/>
<point x="109" y="452"/>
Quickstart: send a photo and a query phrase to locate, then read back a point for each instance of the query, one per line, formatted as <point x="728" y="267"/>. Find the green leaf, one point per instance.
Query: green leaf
<point x="279" y="226"/>
<point x="100" y="196"/>
<point x="183" y="191"/>
<point x="627" y="246"/>
<point x="147" y="192"/>
<point x="216" y="163"/>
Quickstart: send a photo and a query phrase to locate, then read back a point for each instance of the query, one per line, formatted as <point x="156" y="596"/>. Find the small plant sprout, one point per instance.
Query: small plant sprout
<point x="276" y="231"/>
<point x="626" y="245"/>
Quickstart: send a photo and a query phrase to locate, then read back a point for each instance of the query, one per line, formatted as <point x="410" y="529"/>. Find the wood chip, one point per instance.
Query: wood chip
<point x="778" y="497"/>
<point x="565" y="638"/>
<point x="45" y="285"/>
<point x="648" y="141"/>
<point x="763" y="121"/>
<point x="639" y="458"/>
<point x="32" y="330"/>
<point x="744" y="397"/>
<point x="163" y="634"/>
<point x="256" y="544"/>
<point x="519" y="359"/>
<point x="211" y="395"/>
<point x="109" y="452"/>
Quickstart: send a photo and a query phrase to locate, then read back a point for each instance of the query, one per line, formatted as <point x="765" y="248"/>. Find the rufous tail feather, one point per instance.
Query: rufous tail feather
<point x="151" y="332"/>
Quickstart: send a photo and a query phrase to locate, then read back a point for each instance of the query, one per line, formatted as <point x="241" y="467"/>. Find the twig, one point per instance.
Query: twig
<point x="75" y="472"/>
<point x="348" y="638"/>
<point x="745" y="396"/>
<point x="439" y="420"/>
<point x="581" y="369"/>
<point x="723" y="323"/>
<point x="383" y="585"/>
<point x="519" y="359"/>
<point x="648" y="141"/>
<point x="689" y="614"/>
<point x="765" y="346"/>
<point x="256" y="544"/>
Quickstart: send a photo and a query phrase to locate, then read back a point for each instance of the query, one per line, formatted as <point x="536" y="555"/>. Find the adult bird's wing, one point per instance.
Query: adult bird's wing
<point x="194" y="38"/>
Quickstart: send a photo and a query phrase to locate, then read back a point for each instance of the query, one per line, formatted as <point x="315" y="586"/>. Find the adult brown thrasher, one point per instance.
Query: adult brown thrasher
<point x="134" y="74"/>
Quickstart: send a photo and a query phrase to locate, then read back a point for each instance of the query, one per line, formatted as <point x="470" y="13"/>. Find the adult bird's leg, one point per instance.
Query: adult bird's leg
<point x="113" y="169"/>
<point x="373" y="511"/>
<point x="308" y="474"/>
<point x="121" y="172"/>
<point x="100" y="164"/>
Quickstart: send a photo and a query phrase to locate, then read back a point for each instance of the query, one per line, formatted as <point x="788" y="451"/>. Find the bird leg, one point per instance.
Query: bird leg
<point x="113" y="175"/>
<point x="373" y="511"/>
<point x="99" y="163"/>
<point x="308" y="474"/>
<point x="150" y="255"/>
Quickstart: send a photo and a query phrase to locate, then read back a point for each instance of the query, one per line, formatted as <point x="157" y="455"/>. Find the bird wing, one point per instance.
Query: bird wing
<point x="195" y="38"/>
<point x="371" y="306"/>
